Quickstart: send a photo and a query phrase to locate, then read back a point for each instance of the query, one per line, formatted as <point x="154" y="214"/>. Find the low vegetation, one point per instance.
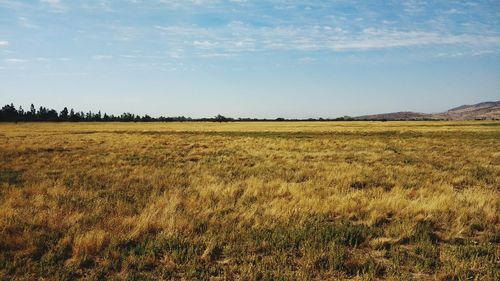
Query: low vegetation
<point x="250" y="201"/>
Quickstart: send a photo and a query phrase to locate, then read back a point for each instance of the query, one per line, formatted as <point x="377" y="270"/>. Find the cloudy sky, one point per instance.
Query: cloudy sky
<point x="242" y="58"/>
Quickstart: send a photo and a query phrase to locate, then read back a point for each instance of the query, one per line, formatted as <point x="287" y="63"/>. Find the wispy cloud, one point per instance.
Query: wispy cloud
<point x="244" y="38"/>
<point x="15" y="60"/>
<point x="186" y="29"/>
<point x="312" y="26"/>
<point x="55" y="5"/>
<point x="24" y="22"/>
<point x="102" y="57"/>
<point x="306" y="60"/>
<point x="204" y="44"/>
<point x="214" y="55"/>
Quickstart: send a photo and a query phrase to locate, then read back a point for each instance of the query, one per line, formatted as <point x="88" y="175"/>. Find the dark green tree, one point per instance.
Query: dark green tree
<point x="64" y="114"/>
<point x="221" y="118"/>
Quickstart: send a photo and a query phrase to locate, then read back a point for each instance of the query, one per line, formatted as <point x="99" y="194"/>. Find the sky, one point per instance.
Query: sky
<point x="242" y="58"/>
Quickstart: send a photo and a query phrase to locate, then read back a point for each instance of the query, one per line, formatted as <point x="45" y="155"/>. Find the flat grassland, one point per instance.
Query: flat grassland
<point x="250" y="201"/>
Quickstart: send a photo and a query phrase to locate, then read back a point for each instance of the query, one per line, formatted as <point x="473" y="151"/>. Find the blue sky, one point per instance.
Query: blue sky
<point x="242" y="58"/>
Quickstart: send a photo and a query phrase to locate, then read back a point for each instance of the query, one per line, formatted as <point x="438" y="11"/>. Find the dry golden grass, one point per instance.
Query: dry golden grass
<point x="250" y="201"/>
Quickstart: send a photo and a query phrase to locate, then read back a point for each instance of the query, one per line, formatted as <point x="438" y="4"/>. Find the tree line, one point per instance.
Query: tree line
<point x="9" y="113"/>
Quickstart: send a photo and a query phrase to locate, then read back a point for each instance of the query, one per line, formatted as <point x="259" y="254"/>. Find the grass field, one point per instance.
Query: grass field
<point x="250" y="201"/>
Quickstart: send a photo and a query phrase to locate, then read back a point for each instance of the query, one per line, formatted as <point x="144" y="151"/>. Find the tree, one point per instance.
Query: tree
<point x="41" y="114"/>
<point x="220" y="118"/>
<point x="64" y="114"/>
<point x="72" y="116"/>
<point x="32" y="110"/>
<point x="52" y="115"/>
<point x="9" y="113"/>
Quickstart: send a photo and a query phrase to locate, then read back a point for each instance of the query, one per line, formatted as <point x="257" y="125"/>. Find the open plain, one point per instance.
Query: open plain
<point x="250" y="201"/>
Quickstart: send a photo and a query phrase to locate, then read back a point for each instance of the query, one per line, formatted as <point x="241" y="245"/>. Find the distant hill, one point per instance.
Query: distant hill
<point x="484" y="110"/>
<point x="480" y="111"/>
<point x="403" y="115"/>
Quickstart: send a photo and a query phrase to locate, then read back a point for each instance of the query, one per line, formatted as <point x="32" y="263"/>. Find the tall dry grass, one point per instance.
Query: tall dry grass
<point x="250" y="201"/>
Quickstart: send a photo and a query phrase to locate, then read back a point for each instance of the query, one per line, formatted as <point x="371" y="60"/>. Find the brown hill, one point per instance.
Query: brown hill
<point x="480" y="111"/>
<point x="402" y="115"/>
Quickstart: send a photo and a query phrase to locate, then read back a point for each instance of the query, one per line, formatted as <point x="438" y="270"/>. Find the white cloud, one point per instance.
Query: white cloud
<point x="215" y="55"/>
<point x="414" y="6"/>
<point x="204" y="44"/>
<point x="415" y="26"/>
<point x="102" y="57"/>
<point x="56" y="5"/>
<point x="235" y="38"/>
<point x="176" y="53"/>
<point x="184" y="2"/>
<point x="307" y="60"/>
<point x="371" y="39"/>
<point x="24" y="22"/>
<point x="51" y="2"/>
<point x="15" y="60"/>
<point x="252" y="28"/>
